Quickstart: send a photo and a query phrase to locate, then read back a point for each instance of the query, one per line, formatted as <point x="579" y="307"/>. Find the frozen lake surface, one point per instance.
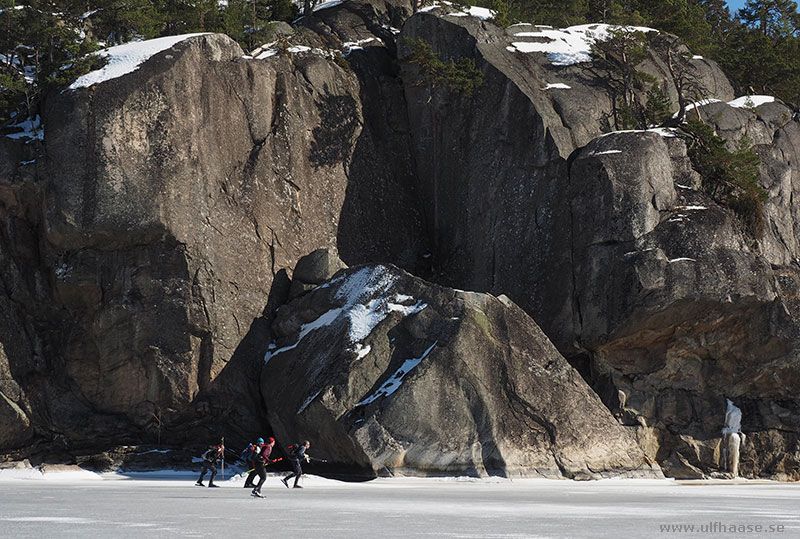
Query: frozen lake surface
<point x="86" y="505"/>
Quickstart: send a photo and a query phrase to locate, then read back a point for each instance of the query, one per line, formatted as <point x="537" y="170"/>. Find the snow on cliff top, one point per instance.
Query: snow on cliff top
<point x="569" y="45"/>
<point x="481" y="13"/>
<point x="126" y="58"/>
<point x="747" y="101"/>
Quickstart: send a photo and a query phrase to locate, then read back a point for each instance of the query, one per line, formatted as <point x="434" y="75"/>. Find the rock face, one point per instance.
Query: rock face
<point x="390" y="374"/>
<point x="164" y="204"/>
<point x="146" y="243"/>
<point x="642" y="281"/>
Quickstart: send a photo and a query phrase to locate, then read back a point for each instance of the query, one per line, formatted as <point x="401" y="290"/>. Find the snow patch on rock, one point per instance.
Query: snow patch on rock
<point x="568" y="46"/>
<point x="126" y="58"/>
<point x="366" y="302"/>
<point x="751" y="101"/>
<point x="396" y="380"/>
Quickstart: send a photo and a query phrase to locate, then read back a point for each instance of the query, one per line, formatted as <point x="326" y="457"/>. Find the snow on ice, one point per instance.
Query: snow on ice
<point x="126" y="58"/>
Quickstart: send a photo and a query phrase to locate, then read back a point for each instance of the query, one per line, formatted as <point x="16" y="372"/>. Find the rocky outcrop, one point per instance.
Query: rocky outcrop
<point x="678" y="313"/>
<point x="164" y="206"/>
<point x="146" y="243"/>
<point x="642" y="281"/>
<point x="395" y="375"/>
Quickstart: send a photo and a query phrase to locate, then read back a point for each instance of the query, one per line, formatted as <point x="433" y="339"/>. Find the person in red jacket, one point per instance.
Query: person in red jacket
<point x="260" y="460"/>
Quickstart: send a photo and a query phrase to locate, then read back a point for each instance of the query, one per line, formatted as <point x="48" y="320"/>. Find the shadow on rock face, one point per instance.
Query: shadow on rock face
<point x="333" y="136"/>
<point x="380" y="220"/>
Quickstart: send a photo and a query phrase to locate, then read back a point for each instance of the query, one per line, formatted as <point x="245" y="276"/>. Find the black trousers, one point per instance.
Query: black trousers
<point x="297" y="471"/>
<point x="262" y="474"/>
<point x="252" y="475"/>
<point x="208" y="466"/>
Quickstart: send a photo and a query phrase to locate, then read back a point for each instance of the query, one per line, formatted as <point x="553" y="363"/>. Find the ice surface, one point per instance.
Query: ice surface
<point x="124" y="59"/>
<point x="168" y="505"/>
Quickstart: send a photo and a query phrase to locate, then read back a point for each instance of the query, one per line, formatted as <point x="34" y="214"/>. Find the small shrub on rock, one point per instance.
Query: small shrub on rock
<point x="730" y="178"/>
<point x="459" y="76"/>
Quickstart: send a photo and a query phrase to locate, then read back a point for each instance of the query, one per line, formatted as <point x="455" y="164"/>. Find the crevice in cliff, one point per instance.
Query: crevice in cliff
<point x="577" y="316"/>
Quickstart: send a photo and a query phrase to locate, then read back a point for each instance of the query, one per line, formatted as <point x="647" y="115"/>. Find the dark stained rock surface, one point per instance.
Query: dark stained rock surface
<point x="641" y="281"/>
<point x="147" y="242"/>
<point x="389" y="374"/>
<point x="166" y="203"/>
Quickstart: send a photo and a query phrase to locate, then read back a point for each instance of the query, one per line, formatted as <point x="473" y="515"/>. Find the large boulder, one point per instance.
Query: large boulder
<point x="165" y="204"/>
<point x="387" y="373"/>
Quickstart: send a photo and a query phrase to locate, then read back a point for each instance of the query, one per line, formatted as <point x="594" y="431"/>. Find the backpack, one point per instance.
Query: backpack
<point x="293" y="450"/>
<point x="247" y="454"/>
<point x="210" y="454"/>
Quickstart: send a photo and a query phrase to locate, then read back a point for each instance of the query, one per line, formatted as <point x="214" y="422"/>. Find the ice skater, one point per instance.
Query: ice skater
<point x="260" y="461"/>
<point x="210" y="458"/>
<point x="297" y="453"/>
<point x="248" y="455"/>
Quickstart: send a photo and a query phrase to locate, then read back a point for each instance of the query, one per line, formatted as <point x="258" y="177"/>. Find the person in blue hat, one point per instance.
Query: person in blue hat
<point x="248" y="455"/>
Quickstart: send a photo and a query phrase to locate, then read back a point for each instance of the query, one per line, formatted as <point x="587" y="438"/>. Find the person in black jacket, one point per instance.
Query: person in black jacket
<point x="260" y="460"/>
<point x="210" y="458"/>
<point x="297" y="453"/>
